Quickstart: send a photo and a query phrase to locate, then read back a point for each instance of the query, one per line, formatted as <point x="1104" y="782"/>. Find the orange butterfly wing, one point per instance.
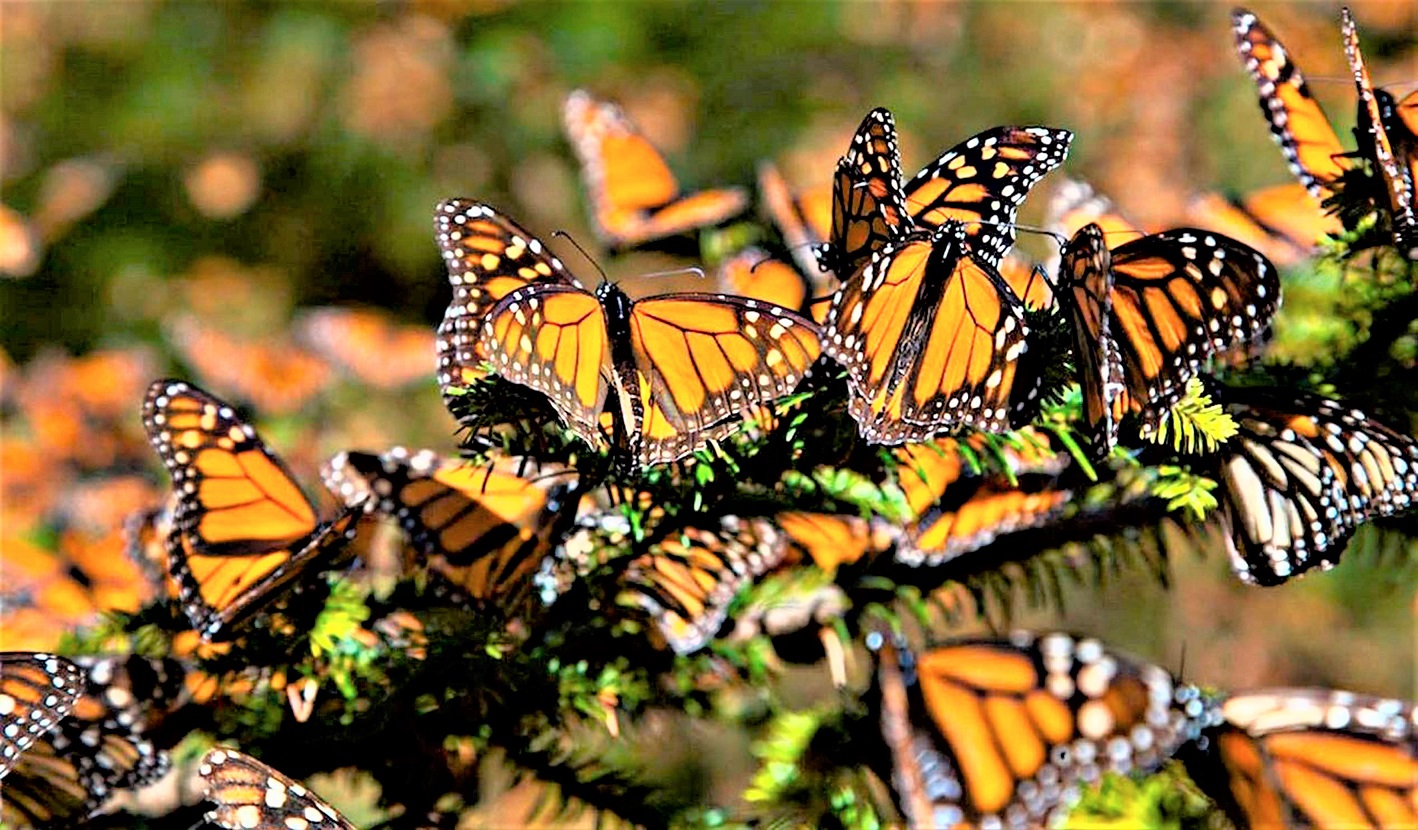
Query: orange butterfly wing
<point x="704" y="362"/>
<point x="635" y="198"/>
<point x="803" y="219"/>
<point x="868" y="205"/>
<point x="1297" y="123"/>
<point x="488" y="256"/>
<point x="370" y="345"/>
<point x="244" y="529"/>
<point x="930" y="339"/>
<point x="1283" y="222"/>
<point x="755" y="274"/>
<point x="1088" y="267"/>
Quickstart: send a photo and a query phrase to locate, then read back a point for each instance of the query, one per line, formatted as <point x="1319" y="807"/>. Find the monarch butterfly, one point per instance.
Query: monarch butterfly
<point x="1389" y="139"/>
<point x="803" y="219"/>
<point x="1297" y="123"/>
<point x="1076" y="203"/>
<point x="483" y="527"/>
<point x="369" y="345"/>
<point x="276" y="376"/>
<point x="37" y="691"/>
<point x="832" y="541"/>
<point x="47" y="594"/>
<point x="249" y="795"/>
<point x="1299" y="477"/>
<point x="980" y="183"/>
<point x="634" y="197"/>
<point x="687" y="580"/>
<point x="952" y="513"/>
<point x="755" y="274"/>
<point x="1148" y="313"/>
<point x="244" y="530"/>
<point x="69" y="774"/>
<point x="1283" y="222"/>
<point x="930" y="336"/>
<point x="1311" y="758"/>
<point x="1004" y="733"/>
<point x="684" y="368"/>
<point x="77" y="409"/>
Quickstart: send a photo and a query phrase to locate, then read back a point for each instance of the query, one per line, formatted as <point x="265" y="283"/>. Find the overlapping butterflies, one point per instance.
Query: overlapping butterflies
<point x="910" y="293"/>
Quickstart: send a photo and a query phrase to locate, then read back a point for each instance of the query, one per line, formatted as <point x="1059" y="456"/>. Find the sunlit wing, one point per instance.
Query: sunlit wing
<point x="868" y="204"/>
<point x="757" y="275"/>
<point x="488" y="256"/>
<point x="1299" y="126"/>
<point x="634" y="196"/>
<point x="370" y="346"/>
<point x="930" y="338"/>
<point x="703" y="362"/>
<point x="1285" y="223"/>
<point x="982" y="181"/>
<point x="243" y="529"/>
<point x="803" y="219"/>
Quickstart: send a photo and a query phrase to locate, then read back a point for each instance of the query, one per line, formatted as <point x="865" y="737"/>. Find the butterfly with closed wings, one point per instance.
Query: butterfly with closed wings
<point x="682" y="369"/>
<point x="483" y="527"/>
<point x="1299" y="478"/>
<point x="1149" y="313"/>
<point x="243" y="530"/>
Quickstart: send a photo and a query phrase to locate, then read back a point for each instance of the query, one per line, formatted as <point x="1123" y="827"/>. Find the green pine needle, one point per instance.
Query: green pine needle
<point x="1195" y="423"/>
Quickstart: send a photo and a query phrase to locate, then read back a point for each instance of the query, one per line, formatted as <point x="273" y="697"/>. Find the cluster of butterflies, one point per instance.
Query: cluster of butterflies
<point x="1380" y="175"/>
<point x="914" y="292"/>
<point x="997" y="732"/>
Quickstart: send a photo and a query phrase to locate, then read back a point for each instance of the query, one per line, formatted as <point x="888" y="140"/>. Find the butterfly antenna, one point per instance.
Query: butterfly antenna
<point x="674" y="272"/>
<point x="577" y="245"/>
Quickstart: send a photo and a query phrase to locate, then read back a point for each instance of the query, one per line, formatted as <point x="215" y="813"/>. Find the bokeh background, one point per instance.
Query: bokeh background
<point x="184" y="181"/>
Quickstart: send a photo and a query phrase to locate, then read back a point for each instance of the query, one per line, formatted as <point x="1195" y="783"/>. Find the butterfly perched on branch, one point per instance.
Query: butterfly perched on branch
<point x="243" y="531"/>
<point x="676" y="371"/>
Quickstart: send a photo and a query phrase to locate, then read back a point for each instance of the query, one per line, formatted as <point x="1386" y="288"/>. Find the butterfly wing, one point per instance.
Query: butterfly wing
<point x="369" y="345"/>
<point x="1394" y="170"/>
<point x="1178" y="298"/>
<point x="1006" y="732"/>
<point x="634" y="196"/>
<point x="483" y="527"/>
<point x="1300" y="475"/>
<point x="249" y="795"/>
<point x="244" y="528"/>
<point x="99" y="748"/>
<point x="832" y="541"/>
<point x="704" y="362"/>
<point x="1297" y="123"/>
<point x="553" y="338"/>
<point x="930" y="338"/>
<point x="37" y="691"/>
<point x="1285" y="223"/>
<point x="868" y="204"/>
<point x="1076" y="203"/>
<point x="687" y="580"/>
<point x="982" y="181"/>
<point x="803" y="219"/>
<point x="1028" y="280"/>
<point x="488" y="256"/>
<point x="755" y="274"/>
<point x="1311" y="758"/>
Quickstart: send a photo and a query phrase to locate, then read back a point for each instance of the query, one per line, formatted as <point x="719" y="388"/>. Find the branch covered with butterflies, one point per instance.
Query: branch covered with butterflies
<point x="883" y="420"/>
